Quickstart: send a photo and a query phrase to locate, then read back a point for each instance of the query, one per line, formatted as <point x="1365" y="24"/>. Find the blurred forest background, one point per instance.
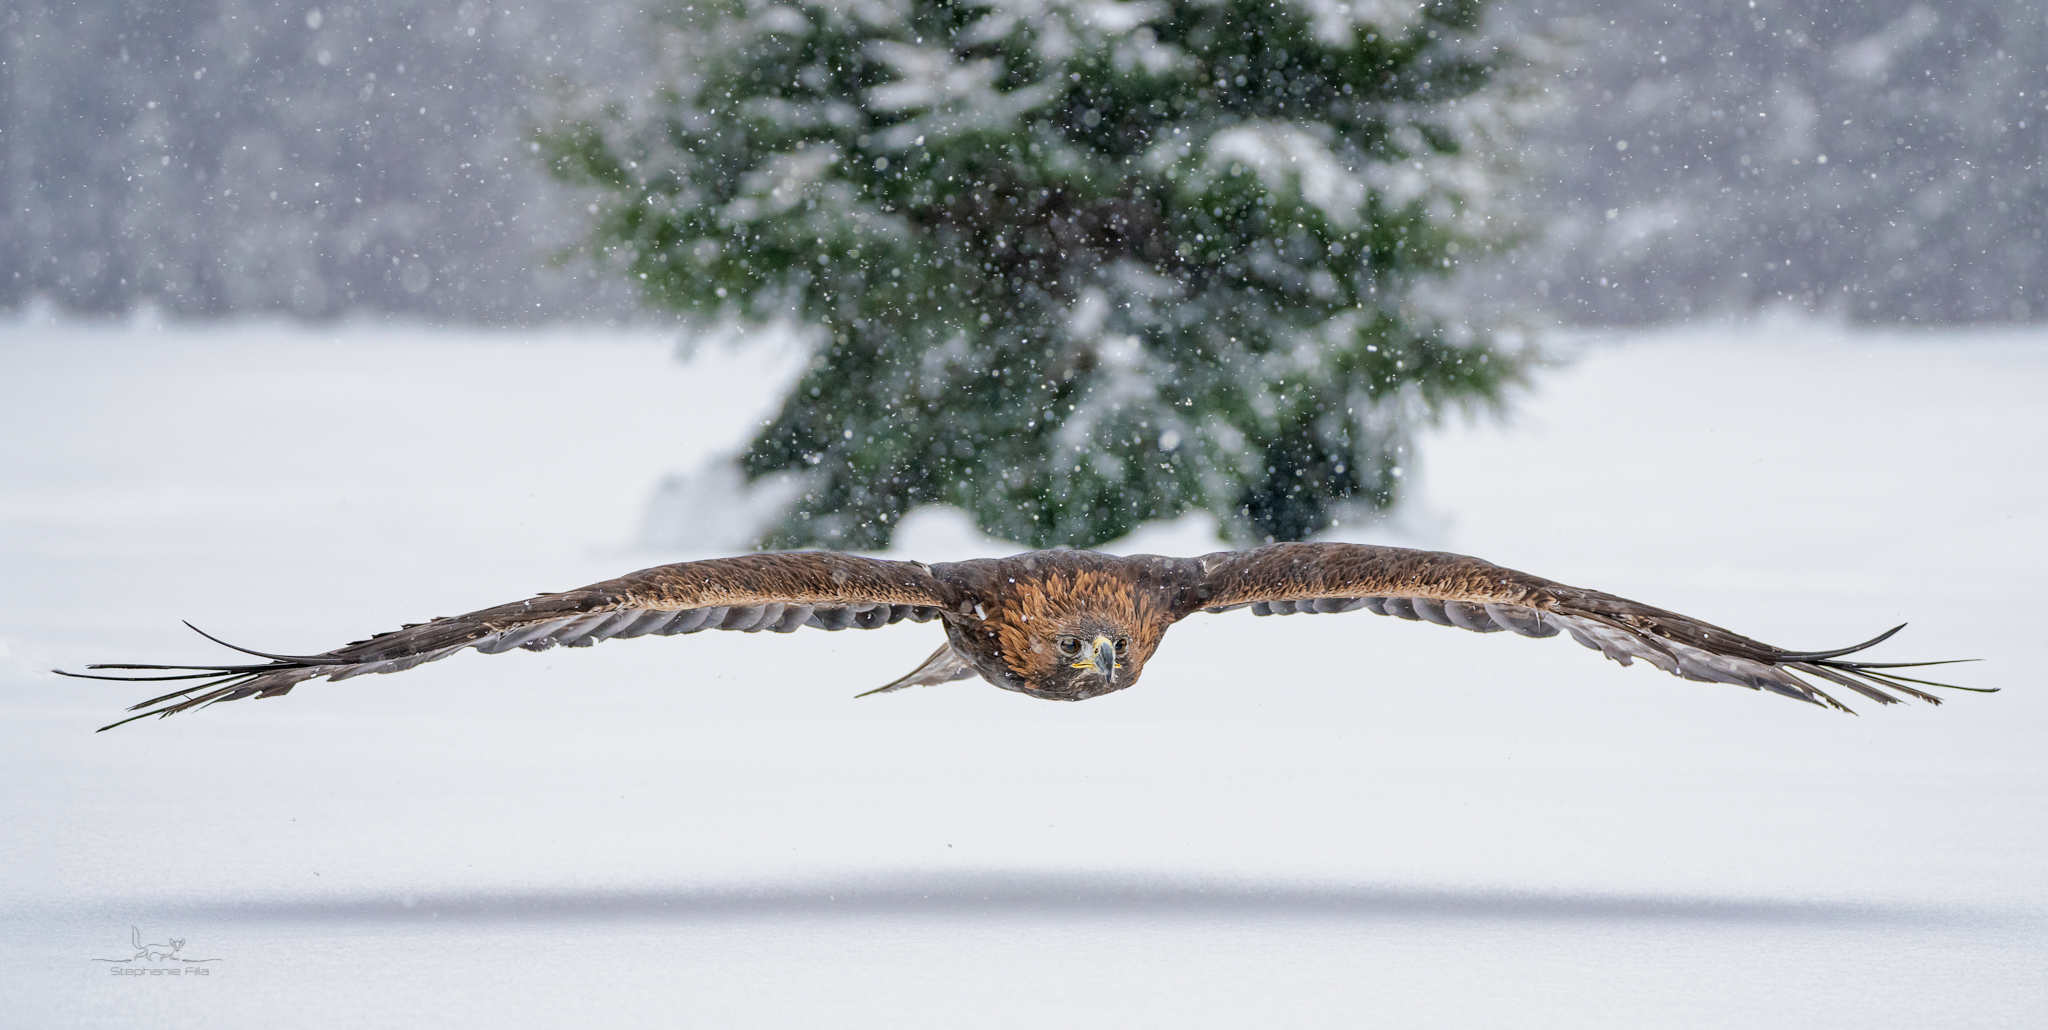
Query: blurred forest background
<point x="1200" y="256"/>
<point x="221" y="156"/>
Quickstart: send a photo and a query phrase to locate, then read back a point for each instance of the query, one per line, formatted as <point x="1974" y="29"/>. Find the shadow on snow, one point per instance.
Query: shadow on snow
<point x="1068" y="894"/>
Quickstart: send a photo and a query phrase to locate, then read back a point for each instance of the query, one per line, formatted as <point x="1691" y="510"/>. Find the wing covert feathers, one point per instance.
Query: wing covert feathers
<point x="751" y="593"/>
<point x="1467" y="593"/>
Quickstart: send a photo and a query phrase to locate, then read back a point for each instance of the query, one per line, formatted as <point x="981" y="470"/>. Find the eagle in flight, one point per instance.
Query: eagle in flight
<point x="1061" y="625"/>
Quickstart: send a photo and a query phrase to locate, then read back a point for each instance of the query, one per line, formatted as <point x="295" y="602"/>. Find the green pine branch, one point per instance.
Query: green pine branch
<point x="1075" y="271"/>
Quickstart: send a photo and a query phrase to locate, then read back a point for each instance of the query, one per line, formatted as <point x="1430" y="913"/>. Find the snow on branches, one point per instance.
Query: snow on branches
<point x="1076" y="265"/>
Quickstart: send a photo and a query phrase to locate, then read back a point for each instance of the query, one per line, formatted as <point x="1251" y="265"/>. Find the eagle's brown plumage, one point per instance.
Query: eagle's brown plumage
<point x="1062" y="625"/>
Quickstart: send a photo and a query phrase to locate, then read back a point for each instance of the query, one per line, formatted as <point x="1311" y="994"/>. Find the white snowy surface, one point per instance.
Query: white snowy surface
<point x="1301" y="821"/>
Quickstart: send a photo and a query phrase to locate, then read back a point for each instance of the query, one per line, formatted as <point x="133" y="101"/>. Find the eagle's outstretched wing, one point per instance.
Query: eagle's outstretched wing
<point x="1456" y="590"/>
<point x="777" y="592"/>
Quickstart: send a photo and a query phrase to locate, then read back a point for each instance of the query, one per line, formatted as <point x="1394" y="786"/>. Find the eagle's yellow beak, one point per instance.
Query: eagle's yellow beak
<point x="1101" y="658"/>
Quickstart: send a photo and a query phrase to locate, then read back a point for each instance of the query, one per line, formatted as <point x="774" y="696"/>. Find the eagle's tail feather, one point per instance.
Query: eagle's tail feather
<point x="944" y="666"/>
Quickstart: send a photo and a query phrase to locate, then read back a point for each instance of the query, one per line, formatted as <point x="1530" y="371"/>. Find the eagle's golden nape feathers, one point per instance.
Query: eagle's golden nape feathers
<point x="1021" y="622"/>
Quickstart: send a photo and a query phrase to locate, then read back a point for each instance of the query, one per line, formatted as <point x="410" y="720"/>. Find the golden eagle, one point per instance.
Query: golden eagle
<point x="1061" y="625"/>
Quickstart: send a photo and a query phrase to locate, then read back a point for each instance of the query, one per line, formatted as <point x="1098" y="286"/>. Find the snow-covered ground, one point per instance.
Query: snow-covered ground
<point x="1408" y="827"/>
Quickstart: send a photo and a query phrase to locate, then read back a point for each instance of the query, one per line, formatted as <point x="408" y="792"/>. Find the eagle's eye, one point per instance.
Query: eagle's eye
<point x="1123" y="646"/>
<point x="1070" y="646"/>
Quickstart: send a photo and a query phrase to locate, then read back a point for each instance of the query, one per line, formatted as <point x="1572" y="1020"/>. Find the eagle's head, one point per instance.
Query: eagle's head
<point x="1087" y="655"/>
<point x="1066" y="630"/>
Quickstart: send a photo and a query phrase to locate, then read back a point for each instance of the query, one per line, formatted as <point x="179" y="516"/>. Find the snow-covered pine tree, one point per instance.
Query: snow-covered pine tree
<point x="1075" y="265"/>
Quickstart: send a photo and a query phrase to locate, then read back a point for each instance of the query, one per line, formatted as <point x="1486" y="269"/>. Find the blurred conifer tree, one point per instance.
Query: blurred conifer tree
<point x="1075" y="265"/>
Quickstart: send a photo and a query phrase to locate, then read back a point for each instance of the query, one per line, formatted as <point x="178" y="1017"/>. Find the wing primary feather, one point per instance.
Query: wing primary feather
<point x="226" y="685"/>
<point x="1812" y="693"/>
<point x="1894" y="665"/>
<point x="139" y="665"/>
<point x="1814" y="656"/>
<point x="187" y="691"/>
<point x="1930" y="683"/>
<point x="1834" y="674"/>
<point x="1871" y="692"/>
<point x="307" y="659"/>
<point x="141" y="679"/>
<point x="1900" y="687"/>
<point x="125" y="722"/>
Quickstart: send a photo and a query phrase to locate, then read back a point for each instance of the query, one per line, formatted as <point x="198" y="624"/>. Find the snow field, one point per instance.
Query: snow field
<point x="1309" y="819"/>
